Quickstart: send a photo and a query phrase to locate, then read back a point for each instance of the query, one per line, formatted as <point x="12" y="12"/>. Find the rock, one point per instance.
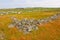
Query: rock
<point x="1" y="14"/>
<point x="2" y="36"/>
<point x="11" y="26"/>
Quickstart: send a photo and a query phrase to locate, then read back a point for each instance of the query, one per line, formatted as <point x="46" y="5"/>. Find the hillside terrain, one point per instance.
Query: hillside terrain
<point x="46" y="31"/>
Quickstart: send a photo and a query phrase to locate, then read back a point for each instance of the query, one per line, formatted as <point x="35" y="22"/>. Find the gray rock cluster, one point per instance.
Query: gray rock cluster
<point x="24" y="25"/>
<point x="27" y="26"/>
<point x="49" y="19"/>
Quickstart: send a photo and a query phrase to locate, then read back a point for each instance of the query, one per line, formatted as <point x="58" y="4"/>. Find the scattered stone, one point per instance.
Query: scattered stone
<point x="27" y="26"/>
<point x="11" y="26"/>
<point x="1" y="14"/>
<point x="19" y="12"/>
<point x="2" y="36"/>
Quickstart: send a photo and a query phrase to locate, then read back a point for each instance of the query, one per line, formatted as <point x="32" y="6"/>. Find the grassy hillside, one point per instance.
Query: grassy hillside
<point x="48" y="31"/>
